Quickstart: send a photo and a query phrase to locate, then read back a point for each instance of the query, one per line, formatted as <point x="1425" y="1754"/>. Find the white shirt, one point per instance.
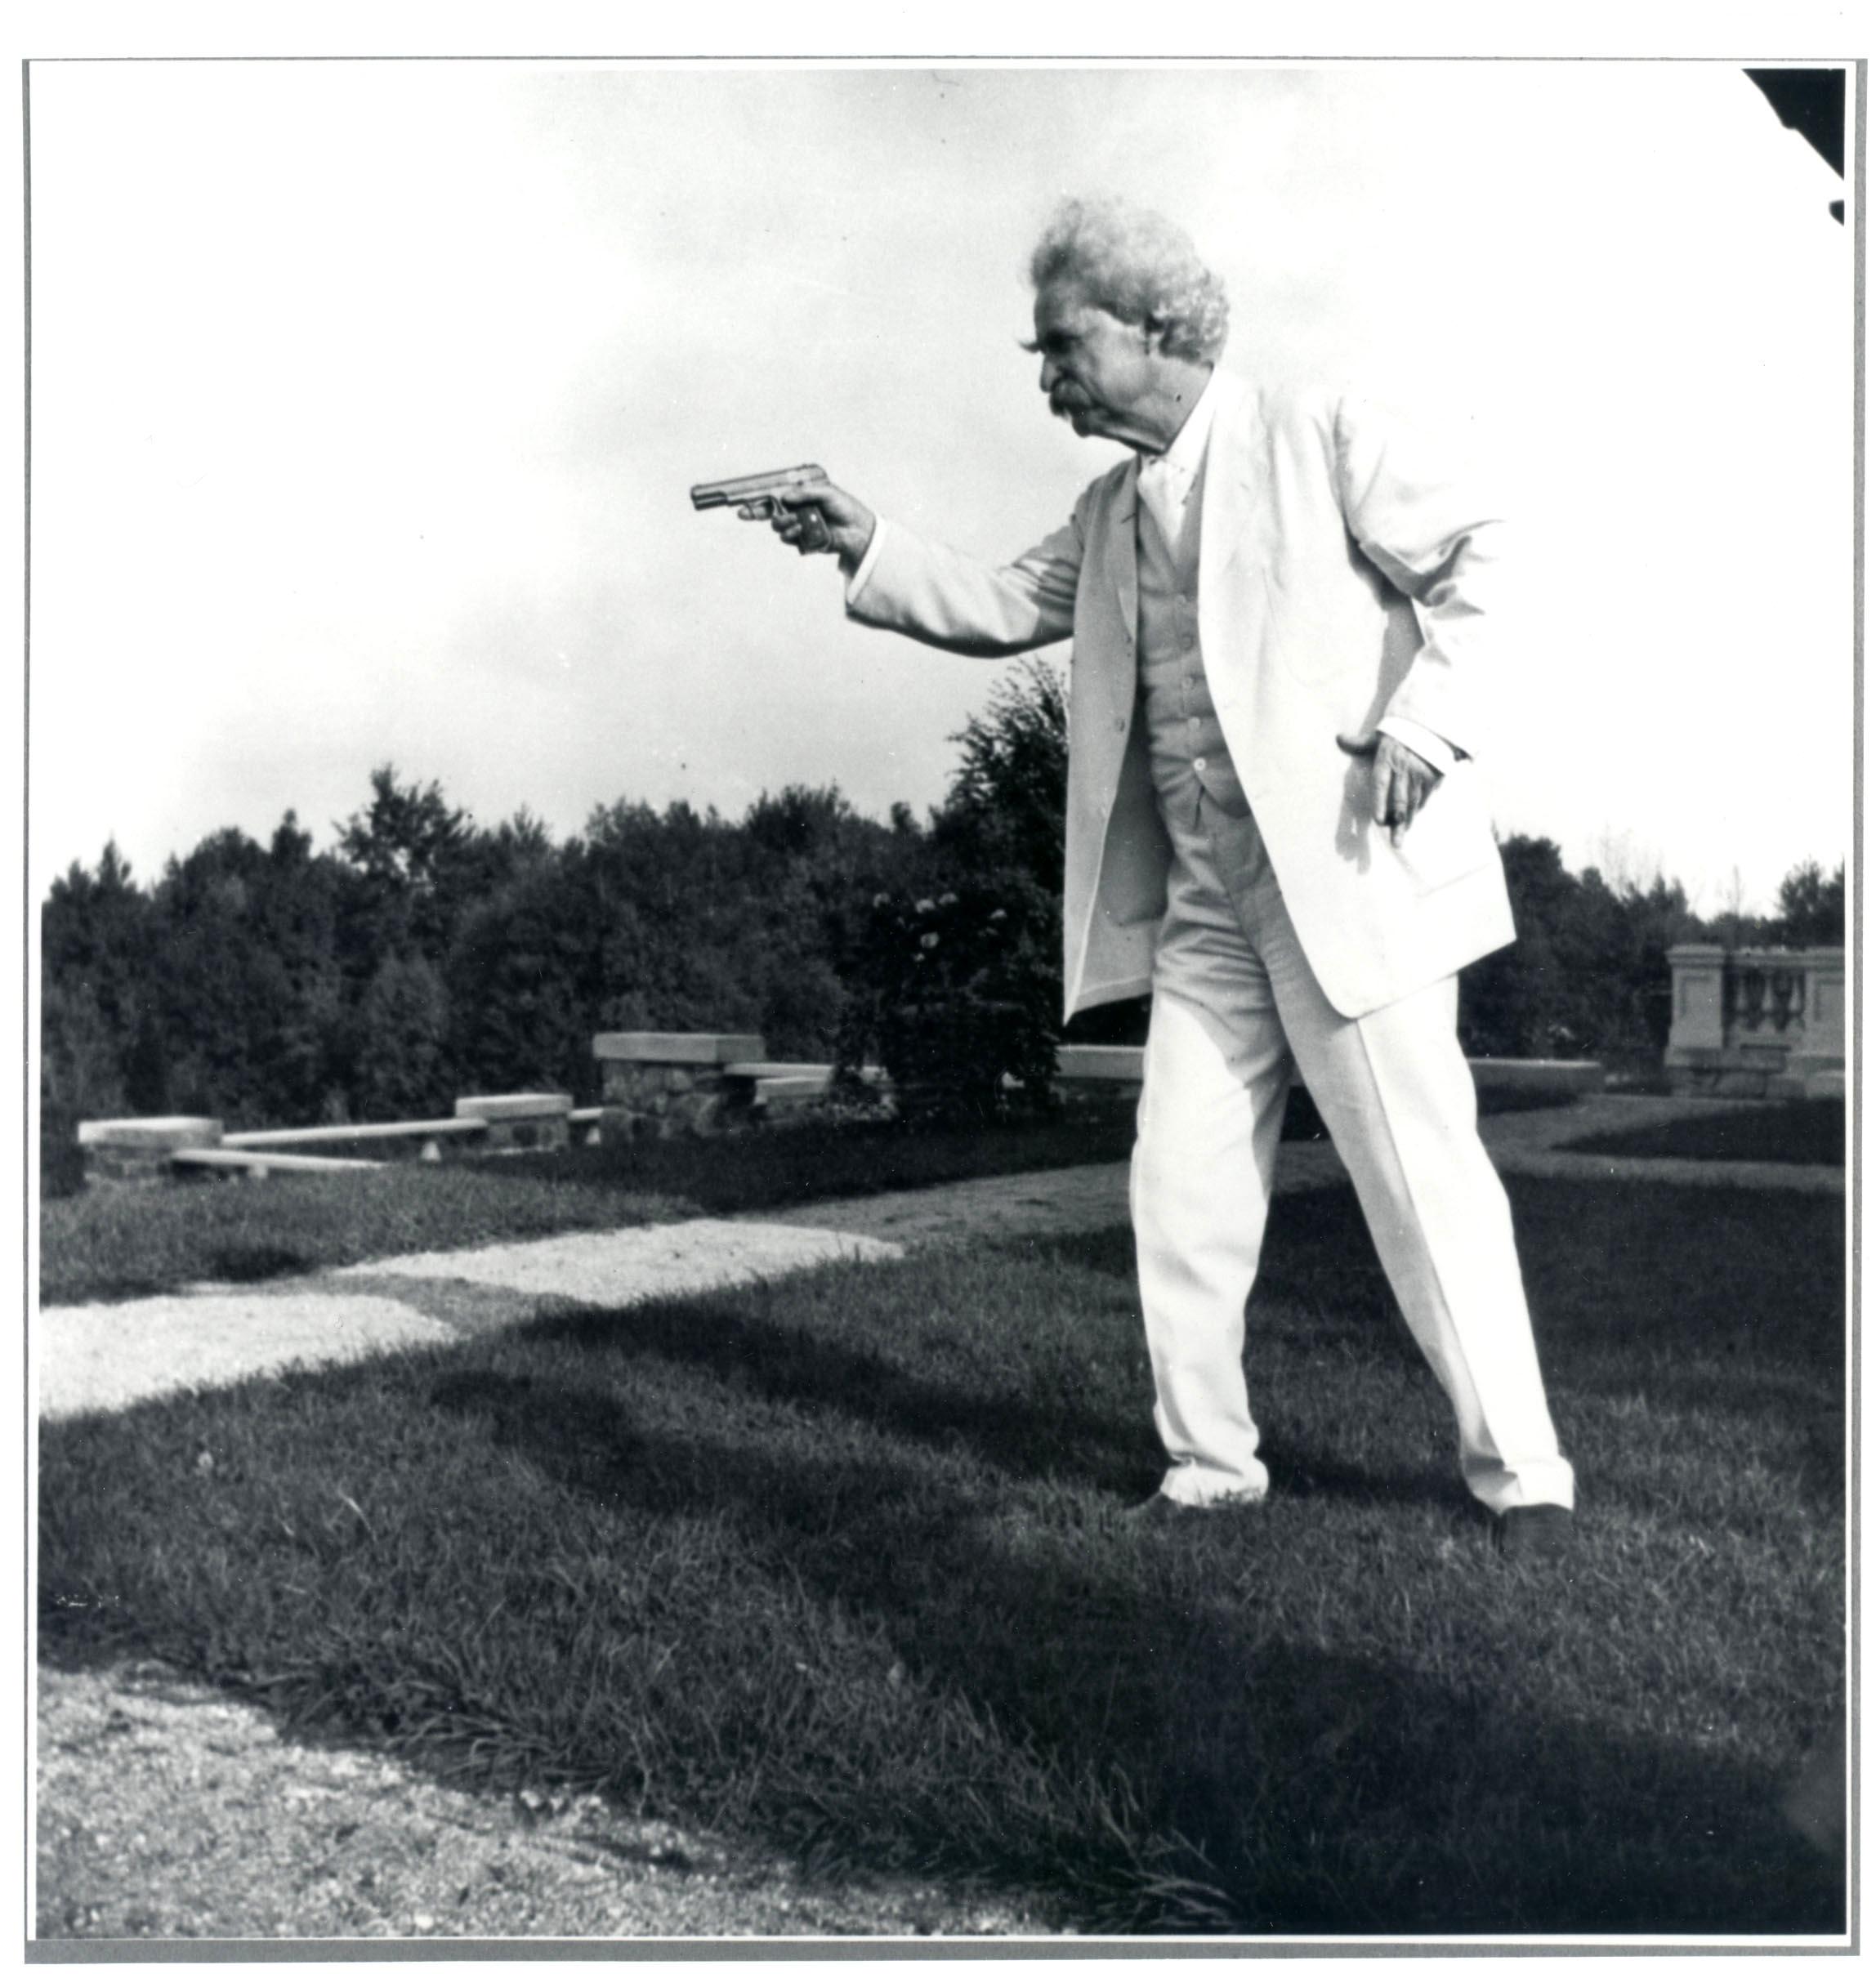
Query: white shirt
<point x="1167" y="479"/>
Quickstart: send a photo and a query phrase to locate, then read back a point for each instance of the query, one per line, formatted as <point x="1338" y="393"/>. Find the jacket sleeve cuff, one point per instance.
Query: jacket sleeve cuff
<point x="863" y="573"/>
<point x="1435" y="753"/>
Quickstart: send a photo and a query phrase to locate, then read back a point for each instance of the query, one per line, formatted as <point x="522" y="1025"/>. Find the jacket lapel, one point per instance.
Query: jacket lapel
<point x="1230" y="511"/>
<point x="1122" y="551"/>
<point x="1236" y="519"/>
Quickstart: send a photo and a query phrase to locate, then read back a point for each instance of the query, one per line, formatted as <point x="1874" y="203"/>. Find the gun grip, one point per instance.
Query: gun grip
<point x="815" y="537"/>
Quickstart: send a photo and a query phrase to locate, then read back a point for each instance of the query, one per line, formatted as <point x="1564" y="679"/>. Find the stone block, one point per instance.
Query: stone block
<point x="1538" y="1074"/>
<point x="668" y="1086"/>
<point x="716" y="1049"/>
<point x="1698" y="1014"/>
<point x="136" y="1150"/>
<point x="527" y="1121"/>
<point x="1087" y="1062"/>
<point x="621" y="1082"/>
<point x="697" y="1114"/>
<point x="1767" y="1058"/>
<point x="529" y="1104"/>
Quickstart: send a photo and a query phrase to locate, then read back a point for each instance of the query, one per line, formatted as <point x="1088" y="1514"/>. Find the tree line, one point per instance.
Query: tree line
<point x="421" y="956"/>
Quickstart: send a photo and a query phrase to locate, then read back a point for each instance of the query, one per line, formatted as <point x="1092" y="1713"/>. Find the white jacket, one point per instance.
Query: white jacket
<point x="1342" y="577"/>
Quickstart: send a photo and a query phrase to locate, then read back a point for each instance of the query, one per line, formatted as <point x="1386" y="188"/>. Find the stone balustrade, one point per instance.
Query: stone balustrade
<point x="1757" y="1021"/>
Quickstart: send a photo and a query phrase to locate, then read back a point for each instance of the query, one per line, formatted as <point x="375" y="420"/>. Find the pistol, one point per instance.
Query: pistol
<point x="757" y="491"/>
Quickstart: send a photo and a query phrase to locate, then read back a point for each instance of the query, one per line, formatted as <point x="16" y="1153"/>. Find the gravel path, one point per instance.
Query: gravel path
<point x="167" y="1811"/>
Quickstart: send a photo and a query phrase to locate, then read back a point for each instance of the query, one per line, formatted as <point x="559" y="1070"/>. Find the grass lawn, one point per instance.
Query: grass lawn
<point x="842" y="1562"/>
<point x="1807" y="1130"/>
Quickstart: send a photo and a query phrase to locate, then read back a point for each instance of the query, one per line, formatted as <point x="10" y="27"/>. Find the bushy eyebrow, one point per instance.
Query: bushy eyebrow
<point x="1056" y="339"/>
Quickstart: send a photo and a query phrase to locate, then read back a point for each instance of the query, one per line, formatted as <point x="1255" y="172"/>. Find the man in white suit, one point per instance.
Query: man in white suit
<point x="1277" y="608"/>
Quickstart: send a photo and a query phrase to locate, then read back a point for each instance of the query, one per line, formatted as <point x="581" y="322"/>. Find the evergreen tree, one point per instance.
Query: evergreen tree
<point x="418" y="865"/>
<point x="523" y="981"/>
<point x="403" y="1062"/>
<point x="1810" y="907"/>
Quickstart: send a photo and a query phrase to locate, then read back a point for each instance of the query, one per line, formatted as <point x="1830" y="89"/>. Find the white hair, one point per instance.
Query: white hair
<point x="1138" y="267"/>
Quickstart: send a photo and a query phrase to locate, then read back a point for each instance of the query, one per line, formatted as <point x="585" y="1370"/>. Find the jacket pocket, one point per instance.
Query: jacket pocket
<point x="1450" y="838"/>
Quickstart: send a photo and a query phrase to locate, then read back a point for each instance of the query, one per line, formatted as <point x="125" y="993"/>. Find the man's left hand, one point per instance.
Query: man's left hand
<point x="1400" y="779"/>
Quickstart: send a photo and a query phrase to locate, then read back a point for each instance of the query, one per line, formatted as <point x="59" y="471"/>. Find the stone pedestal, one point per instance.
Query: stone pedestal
<point x="533" y="1121"/>
<point x="1757" y="1022"/>
<point x="135" y="1150"/>
<point x="1098" y="1076"/>
<point x="675" y="1086"/>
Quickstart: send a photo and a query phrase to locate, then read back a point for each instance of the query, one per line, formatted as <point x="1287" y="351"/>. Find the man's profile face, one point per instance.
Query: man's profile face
<point x="1095" y="367"/>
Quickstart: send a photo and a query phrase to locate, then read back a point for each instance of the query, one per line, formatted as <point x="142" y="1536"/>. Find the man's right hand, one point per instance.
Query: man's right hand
<point x="847" y="524"/>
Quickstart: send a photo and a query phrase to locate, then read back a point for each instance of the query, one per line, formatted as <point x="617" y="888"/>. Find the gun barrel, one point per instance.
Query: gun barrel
<point x="754" y="486"/>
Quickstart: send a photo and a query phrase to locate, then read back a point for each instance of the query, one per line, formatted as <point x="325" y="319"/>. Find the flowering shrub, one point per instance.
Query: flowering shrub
<point x="957" y="991"/>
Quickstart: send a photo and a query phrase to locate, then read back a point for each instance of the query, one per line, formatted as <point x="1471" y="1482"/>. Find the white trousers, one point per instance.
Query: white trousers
<point x="1235" y="1009"/>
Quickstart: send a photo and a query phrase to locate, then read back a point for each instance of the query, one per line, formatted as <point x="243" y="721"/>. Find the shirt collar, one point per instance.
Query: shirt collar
<point x="1187" y="450"/>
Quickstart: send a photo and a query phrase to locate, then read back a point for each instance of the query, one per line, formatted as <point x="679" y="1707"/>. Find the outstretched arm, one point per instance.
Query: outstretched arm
<point x="899" y="581"/>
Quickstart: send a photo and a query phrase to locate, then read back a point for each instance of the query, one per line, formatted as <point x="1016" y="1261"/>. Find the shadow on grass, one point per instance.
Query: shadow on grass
<point x="1809" y="1131"/>
<point x="1311" y="1790"/>
<point x="262" y="1263"/>
<point x="1701" y="1307"/>
<point x="783" y="1166"/>
<point x="1027" y="1435"/>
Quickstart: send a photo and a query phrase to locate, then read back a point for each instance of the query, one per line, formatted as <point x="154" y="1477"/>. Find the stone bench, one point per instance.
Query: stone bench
<point x="661" y="1085"/>
<point x="136" y="1150"/>
<point x="1538" y="1074"/>
<point x="787" y="1086"/>
<point x="529" y="1121"/>
<point x="657" y="1085"/>
<point x="425" y="1138"/>
<point x="258" y="1164"/>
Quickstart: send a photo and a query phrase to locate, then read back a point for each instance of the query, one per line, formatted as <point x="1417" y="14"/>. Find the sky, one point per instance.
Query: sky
<point x="366" y="396"/>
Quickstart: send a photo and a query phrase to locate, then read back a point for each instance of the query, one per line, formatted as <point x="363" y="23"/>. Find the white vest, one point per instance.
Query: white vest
<point x="1185" y="742"/>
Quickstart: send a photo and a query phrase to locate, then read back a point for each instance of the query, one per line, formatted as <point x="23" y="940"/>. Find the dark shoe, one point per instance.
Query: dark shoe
<point x="1543" y="1530"/>
<point x="1162" y="1511"/>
